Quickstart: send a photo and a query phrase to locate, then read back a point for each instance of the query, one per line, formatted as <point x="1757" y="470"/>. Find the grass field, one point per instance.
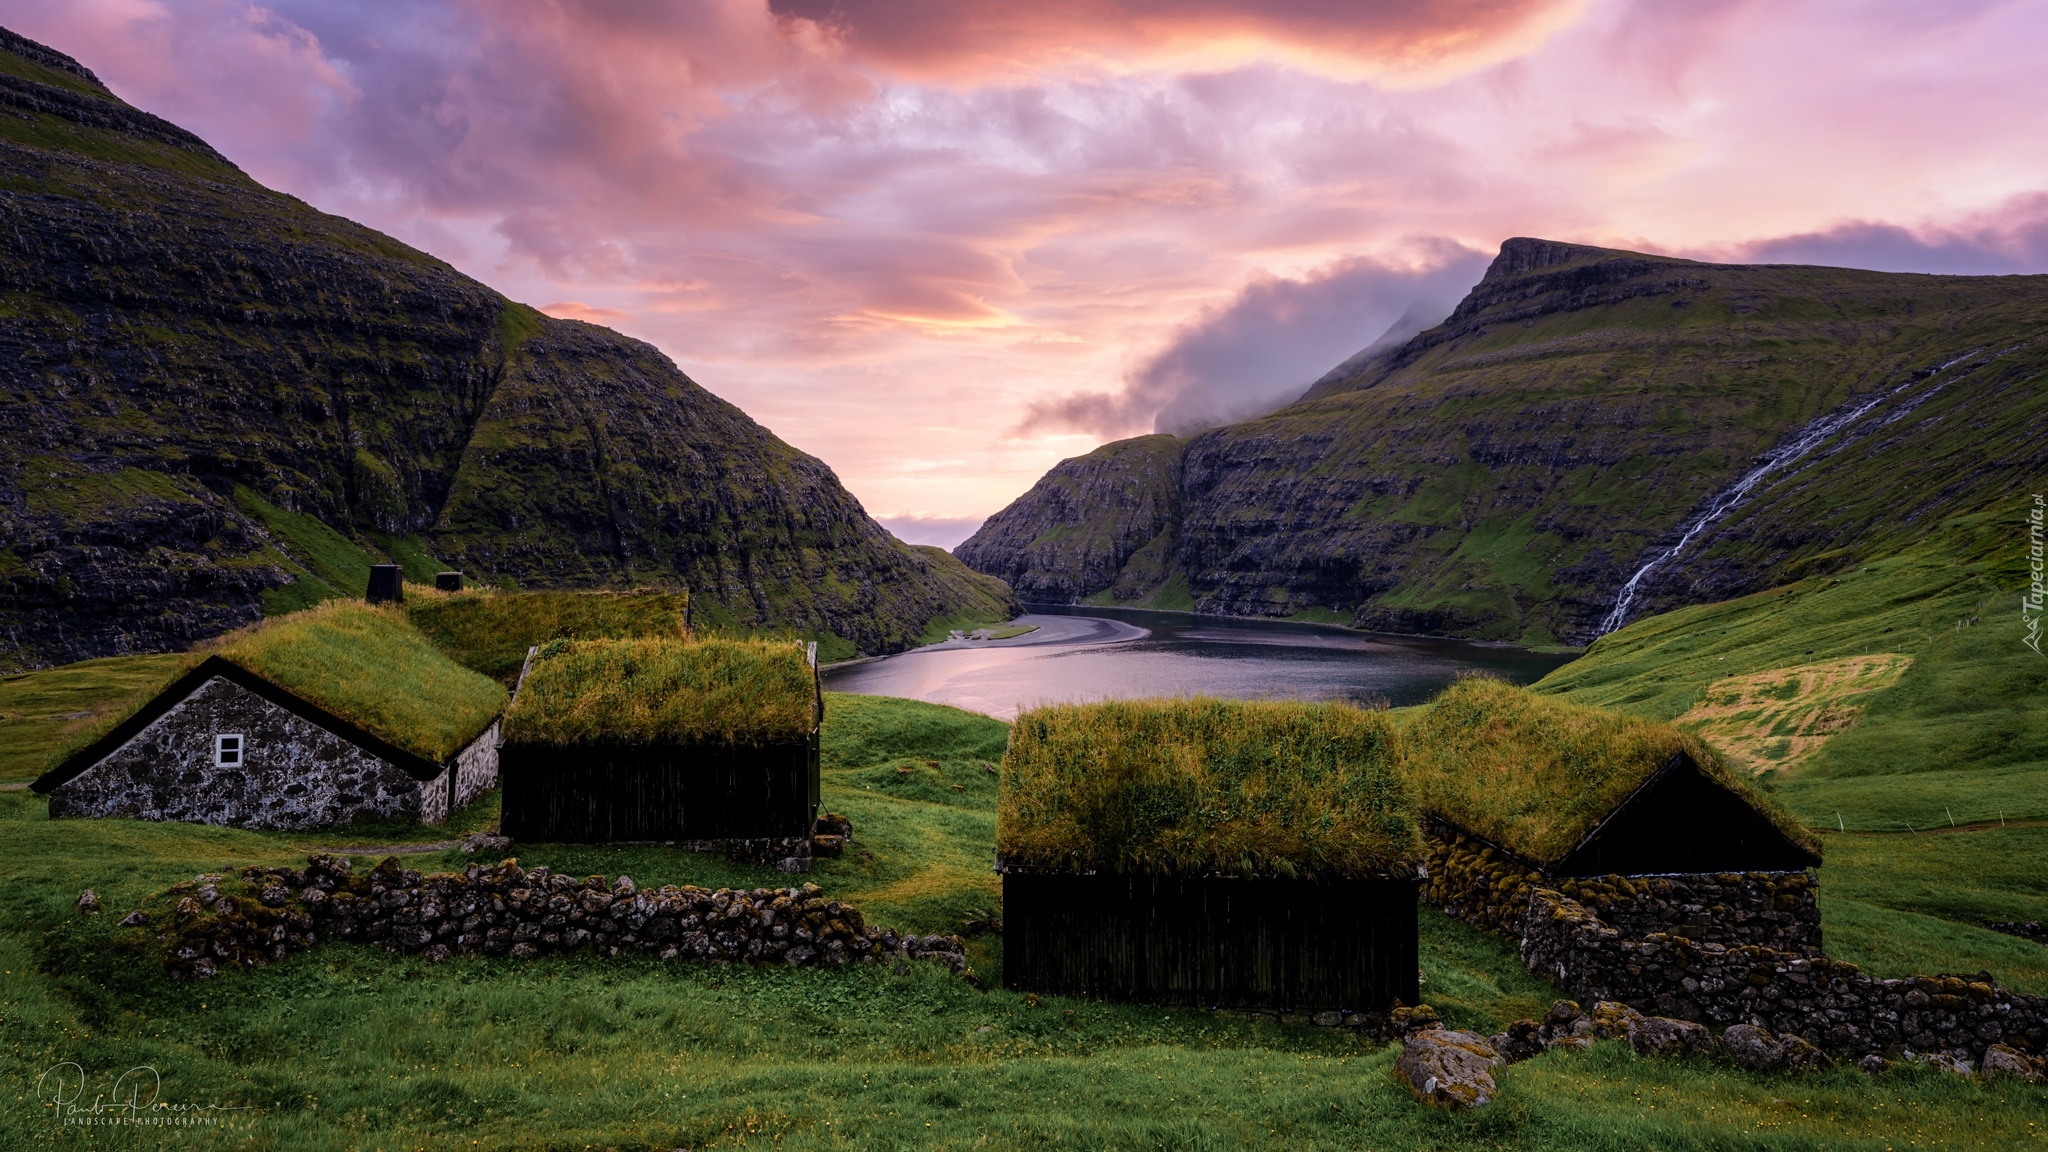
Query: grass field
<point x="1960" y="735"/>
<point x="343" y="1047"/>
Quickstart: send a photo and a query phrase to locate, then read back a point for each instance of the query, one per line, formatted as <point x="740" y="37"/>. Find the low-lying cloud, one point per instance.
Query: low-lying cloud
<point x="2012" y="238"/>
<point x="1268" y="345"/>
<point x="941" y="531"/>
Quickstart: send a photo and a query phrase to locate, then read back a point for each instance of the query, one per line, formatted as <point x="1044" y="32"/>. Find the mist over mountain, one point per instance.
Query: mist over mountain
<point x="1272" y="342"/>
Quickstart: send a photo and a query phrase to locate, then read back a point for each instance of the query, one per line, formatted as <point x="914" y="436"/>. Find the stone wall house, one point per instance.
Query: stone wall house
<point x="1680" y="853"/>
<point x="222" y="745"/>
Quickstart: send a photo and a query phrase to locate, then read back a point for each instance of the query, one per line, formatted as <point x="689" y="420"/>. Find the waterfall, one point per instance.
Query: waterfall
<point x="1789" y="452"/>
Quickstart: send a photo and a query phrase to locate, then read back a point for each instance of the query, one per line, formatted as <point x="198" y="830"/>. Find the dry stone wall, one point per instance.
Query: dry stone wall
<point x="1827" y="1003"/>
<point x="1486" y="886"/>
<point x="264" y="915"/>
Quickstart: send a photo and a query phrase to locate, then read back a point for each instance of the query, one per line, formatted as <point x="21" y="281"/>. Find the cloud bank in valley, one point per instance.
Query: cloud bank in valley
<point x="943" y="245"/>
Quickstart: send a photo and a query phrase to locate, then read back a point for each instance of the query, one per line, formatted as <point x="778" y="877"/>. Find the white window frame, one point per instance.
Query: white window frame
<point x="222" y="749"/>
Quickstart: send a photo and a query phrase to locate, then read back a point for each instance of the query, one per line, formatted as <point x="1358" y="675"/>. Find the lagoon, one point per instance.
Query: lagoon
<point x="1086" y="653"/>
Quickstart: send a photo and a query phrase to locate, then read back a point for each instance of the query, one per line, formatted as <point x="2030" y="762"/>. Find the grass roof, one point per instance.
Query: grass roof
<point x="1535" y="774"/>
<point x="1195" y="786"/>
<point x="364" y="664"/>
<point x="664" y="692"/>
<point x="370" y="667"/>
<point x="490" y="631"/>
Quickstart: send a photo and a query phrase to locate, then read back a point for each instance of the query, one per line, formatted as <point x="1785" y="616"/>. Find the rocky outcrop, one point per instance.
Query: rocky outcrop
<point x="262" y="915"/>
<point x="1085" y="523"/>
<point x="1502" y="475"/>
<point x="178" y="338"/>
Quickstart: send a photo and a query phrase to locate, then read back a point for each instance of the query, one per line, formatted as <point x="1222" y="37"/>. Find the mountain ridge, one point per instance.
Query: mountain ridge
<point x="173" y="335"/>
<point x="1501" y="475"/>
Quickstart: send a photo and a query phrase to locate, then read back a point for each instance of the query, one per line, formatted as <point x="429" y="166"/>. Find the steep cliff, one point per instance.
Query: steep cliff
<point x="178" y="343"/>
<point x="1083" y="522"/>
<point x="1504" y="474"/>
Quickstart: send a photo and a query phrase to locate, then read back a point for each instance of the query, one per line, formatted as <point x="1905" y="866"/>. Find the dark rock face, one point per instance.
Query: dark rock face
<point x="1502" y="475"/>
<point x="178" y="338"/>
<point x="1081" y="526"/>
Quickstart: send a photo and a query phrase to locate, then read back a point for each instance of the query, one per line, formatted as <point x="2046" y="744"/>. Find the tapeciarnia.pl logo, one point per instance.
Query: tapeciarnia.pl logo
<point x="2037" y="593"/>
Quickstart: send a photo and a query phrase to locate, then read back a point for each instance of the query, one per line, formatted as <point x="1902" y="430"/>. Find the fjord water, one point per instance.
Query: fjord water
<point x="1082" y="654"/>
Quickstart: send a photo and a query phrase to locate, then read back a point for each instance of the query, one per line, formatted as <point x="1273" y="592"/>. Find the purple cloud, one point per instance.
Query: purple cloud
<point x="1277" y="337"/>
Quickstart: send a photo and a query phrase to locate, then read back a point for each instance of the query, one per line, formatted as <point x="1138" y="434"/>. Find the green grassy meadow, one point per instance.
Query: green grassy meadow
<point x="345" y="1047"/>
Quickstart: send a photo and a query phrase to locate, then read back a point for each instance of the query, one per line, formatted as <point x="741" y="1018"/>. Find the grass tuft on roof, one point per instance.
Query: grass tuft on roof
<point x="364" y="664"/>
<point x="606" y="692"/>
<point x="370" y="667"/>
<point x="1536" y="774"/>
<point x="1199" y="786"/>
<point x="490" y="630"/>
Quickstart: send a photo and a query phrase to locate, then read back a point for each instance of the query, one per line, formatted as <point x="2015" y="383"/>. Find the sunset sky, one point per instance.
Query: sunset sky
<point x="944" y="243"/>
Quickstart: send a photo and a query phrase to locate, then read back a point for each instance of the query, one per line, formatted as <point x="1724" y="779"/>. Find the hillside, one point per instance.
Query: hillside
<point x="1504" y="474"/>
<point x="204" y="382"/>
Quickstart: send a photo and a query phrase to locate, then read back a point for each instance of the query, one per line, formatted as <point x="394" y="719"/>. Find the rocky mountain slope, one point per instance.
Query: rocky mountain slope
<point x="1582" y="413"/>
<point x="179" y="346"/>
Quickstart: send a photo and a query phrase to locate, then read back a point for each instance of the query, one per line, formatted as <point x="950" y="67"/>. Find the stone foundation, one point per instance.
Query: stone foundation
<point x="265" y="915"/>
<point x="1489" y="887"/>
<point x="1829" y="1004"/>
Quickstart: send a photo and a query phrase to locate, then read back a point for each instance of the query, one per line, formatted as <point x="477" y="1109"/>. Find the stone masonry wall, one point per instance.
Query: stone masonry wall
<point x="1479" y="883"/>
<point x="1828" y="1003"/>
<point x="294" y="775"/>
<point x="265" y="914"/>
<point x="476" y="768"/>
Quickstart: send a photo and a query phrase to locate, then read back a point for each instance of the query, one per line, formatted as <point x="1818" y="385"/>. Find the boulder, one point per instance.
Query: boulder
<point x="2003" y="1060"/>
<point x="1663" y="1036"/>
<point x="1520" y="1041"/>
<point x="89" y="902"/>
<point x="1612" y="1021"/>
<point x="1452" y="1070"/>
<point x="1753" y="1048"/>
<point x="1408" y="1021"/>
<point x="1802" y="1056"/>
<point x="1947" y="1062"/>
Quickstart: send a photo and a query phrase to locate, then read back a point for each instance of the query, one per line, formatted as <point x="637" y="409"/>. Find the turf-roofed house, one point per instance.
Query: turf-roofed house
<point x="710" y="744"/>
<point x="1211" y="853"/>
<point x="1637" y="820"/>
<point x="334" y="715"/>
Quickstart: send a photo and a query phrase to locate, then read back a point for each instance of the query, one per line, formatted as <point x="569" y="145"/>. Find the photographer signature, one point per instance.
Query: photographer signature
<point x="135" y="1098"/>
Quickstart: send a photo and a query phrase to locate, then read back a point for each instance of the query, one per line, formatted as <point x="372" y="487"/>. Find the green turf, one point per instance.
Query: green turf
<point x="1535" y="773"/>
<point x="1962" y="734"/>
<point x="664" y="691"/>
<point x="346" y="1047"/>
<point x="491" y="631"/>
<point x="41" y="712"/>
<point x="1198" y="785"/>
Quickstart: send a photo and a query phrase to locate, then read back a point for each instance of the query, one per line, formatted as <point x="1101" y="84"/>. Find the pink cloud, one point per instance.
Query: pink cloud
<point x="966" y="39"/>
<point x="895" y="232"/>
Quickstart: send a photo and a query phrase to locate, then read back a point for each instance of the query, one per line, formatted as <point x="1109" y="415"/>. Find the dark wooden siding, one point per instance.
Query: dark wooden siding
<point x="1212" y="941"/>
<point x="694" y="792"/>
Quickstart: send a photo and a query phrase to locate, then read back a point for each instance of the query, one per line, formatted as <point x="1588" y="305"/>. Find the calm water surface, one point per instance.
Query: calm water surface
<point x="1081" y="654"/>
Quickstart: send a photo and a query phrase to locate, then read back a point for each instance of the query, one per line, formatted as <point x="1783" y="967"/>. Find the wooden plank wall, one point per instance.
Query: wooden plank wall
<point x="1212" y="941"/>
<point x="595" y="795"/>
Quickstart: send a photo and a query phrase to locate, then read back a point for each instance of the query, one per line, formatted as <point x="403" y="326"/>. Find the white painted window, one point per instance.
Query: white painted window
<point x="227" y="750"/>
